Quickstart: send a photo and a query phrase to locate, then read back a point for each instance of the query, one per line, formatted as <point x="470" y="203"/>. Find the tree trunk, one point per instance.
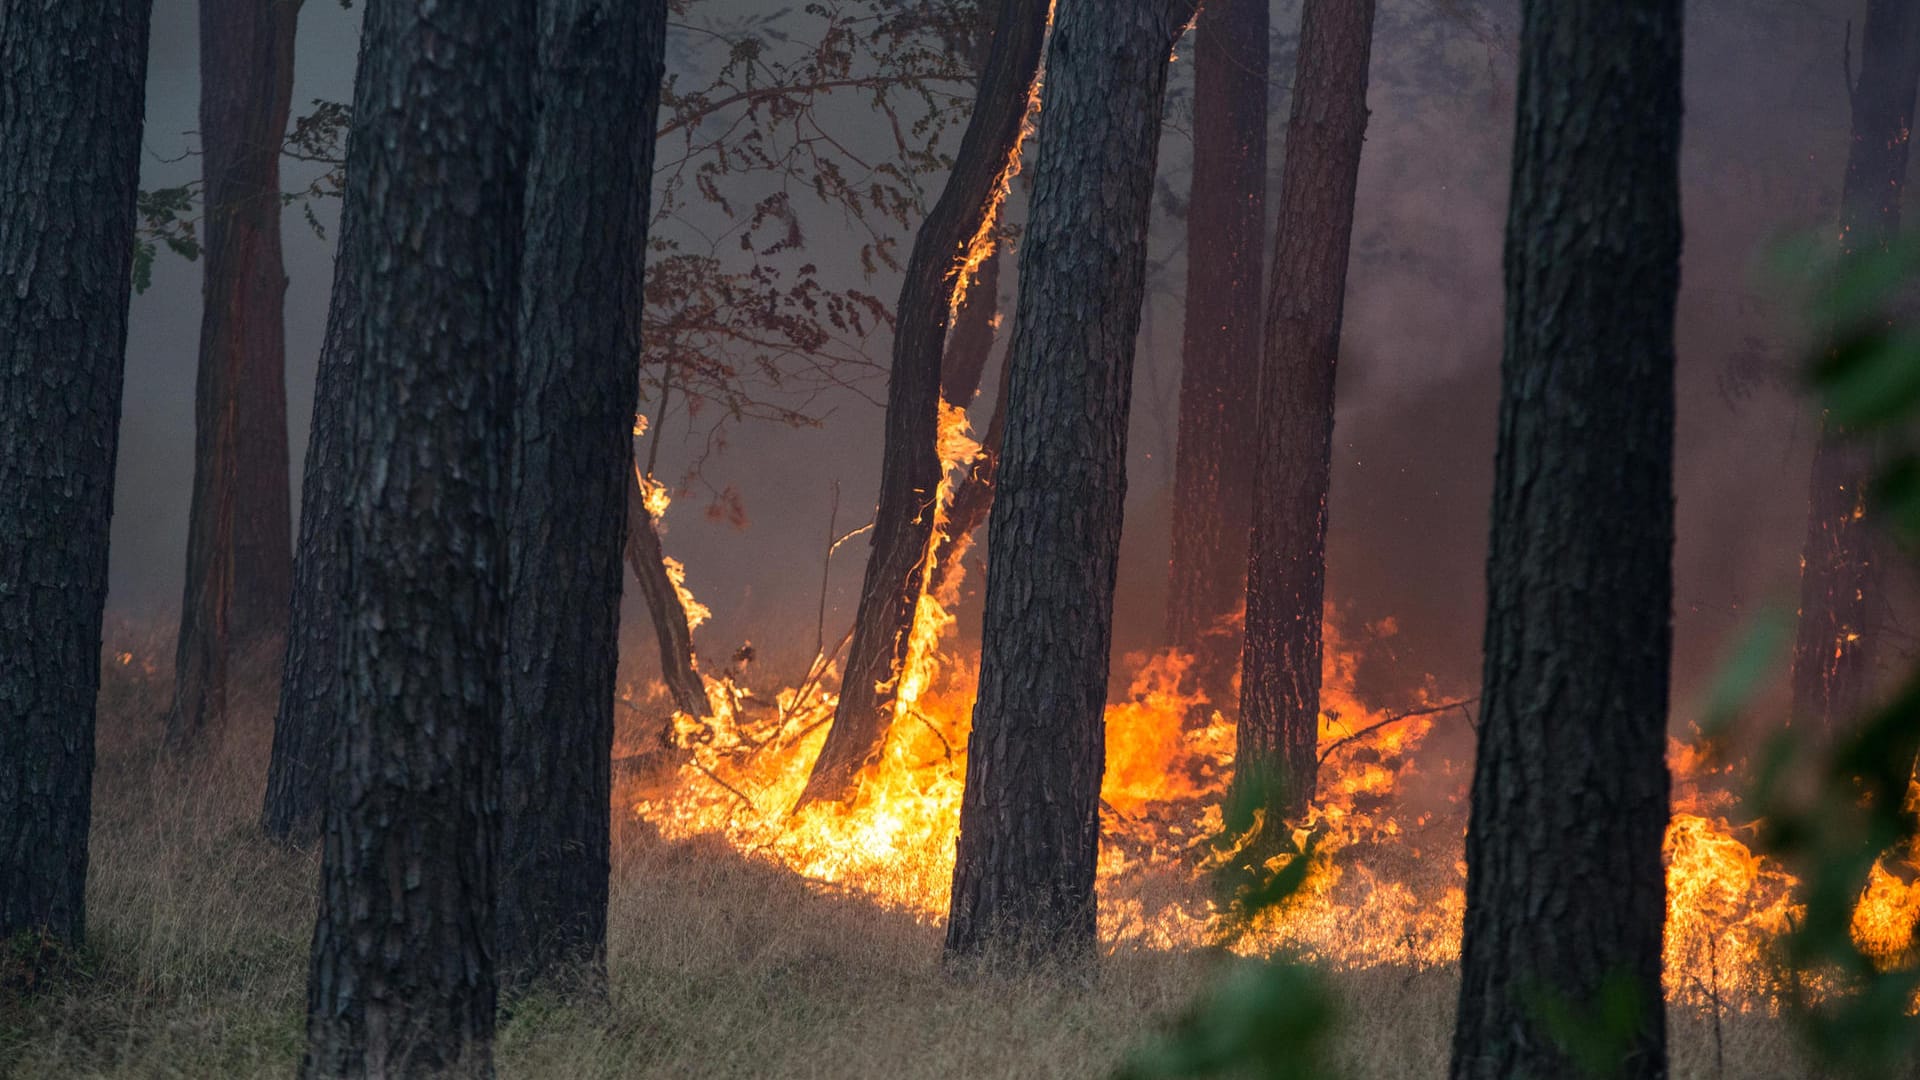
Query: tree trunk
<point x="1220" y="355"/>
<point x="973" y="499"/>
<point x="596" y="90"/>
<point x="1566" y="895"/>
<point x="1275" y="742"/>
<point x="910" y="470"/>
<point x="305" y="726"/>
<point x="72" y="101"/>
<point x="1833" y="651"/>
<point x="971" y="342"/>
<point x="239" y="563"/>
<point x="670" y="627"/>
<point x="402" y="978"/>
<point x="1023" y="878"/>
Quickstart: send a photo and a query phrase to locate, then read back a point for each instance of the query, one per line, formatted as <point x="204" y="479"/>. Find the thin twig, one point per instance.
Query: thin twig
<point x="737" y="793"/>
<point x="1373" y="727"/>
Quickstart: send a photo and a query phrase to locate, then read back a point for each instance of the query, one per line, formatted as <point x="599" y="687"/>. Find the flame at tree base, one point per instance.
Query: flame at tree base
<point x="1387" y="885"/>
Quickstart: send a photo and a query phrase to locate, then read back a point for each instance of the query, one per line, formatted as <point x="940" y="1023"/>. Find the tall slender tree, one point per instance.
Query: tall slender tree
<point x="1287" y="560"/>
<point x="896" y="571"/>
<point x="239" y="558"/>
<point x="1833" y="649"/>
<point x="596" y="93"/>
<point x="401" y="980"/>
<point x="1023" y="879"/>
<point x="72" y="102"/>
<point x="1566" y="895"/>
<point x="1220" y="352"/>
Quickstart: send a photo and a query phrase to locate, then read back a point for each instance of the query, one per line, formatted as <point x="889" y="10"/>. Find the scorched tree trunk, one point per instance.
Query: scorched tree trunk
<point x="401" y="980"/>
<point x="1276" y="740"/>
<point x="1566" y="893"/>
<point x="1840" y="594"/>
<point x="910" y="467"/>
<point x="1023" y="880"/>
<point x="72" y="99"/>
<point x="596" y="90"/>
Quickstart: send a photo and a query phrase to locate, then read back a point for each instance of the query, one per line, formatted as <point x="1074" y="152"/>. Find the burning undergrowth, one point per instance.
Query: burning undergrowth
<point x="1387" y="881"/>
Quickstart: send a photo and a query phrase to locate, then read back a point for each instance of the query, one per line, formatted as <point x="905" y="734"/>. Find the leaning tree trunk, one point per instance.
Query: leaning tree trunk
<point x="1220" y="355"/>
<point x="239" y="564"/>
<point x="1275" y="741"/>
<point x="1023" y="879"/>
<point x="304" y="728"/>
<point x="401" y="980"/>
<point x="72" y="100"/>
<point x="670" y="628"/>
<point x="910" y="468"/>
<point x="596" y="93"/>
<point x="1833" y="648"/>
<point x="1566" y="893"/>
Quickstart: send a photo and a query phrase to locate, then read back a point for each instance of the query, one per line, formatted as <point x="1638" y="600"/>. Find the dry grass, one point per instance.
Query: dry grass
<point x="720" y="966"/>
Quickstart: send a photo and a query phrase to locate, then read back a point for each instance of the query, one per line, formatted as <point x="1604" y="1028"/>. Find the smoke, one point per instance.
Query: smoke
<point x="1765" y="137"/>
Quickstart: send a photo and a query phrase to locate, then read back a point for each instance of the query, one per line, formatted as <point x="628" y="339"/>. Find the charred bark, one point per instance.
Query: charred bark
<point x="1023" y="880"/>
<point x="304" y="727"/>
<point x="647" y="559"/>
<point x="1220" y="354"/>
<point x="1840" y="594"/>
<point x="1276" y="739"/>
<point x="1566" y="895"/>
<point x="239" y="562"/>
<point x="910" y="468"/>
<point x="401" y="980"/>
<point x="973" y="499"/>
<point x="596" y="92"/>
<point x="971" y="341"/>
<point x="72" y="100"/>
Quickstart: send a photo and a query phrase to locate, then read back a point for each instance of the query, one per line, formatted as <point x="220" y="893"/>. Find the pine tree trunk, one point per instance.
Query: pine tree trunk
<point x="1275" y="744"/>
<point x="305" y="726"/>
<point x="72" y="102"/>
<point x="971" y="342"/>
<point x="239" y="563"/>
<point x="1220" y="355"/>
<point x="910" y="468"/>
<point x="647" y="559"/>
<point x="1030" y="817"/>
<point x="597" y="91"/>
<point x="1833" y="651"/>
<point x="402" y="977"/>
<point x="1566" y="894"/>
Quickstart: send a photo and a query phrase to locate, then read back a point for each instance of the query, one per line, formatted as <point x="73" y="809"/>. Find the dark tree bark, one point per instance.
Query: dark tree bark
<point x="1275" y="742"/>
<point x="402" y="976"/>
<point x="239" y="562"/>
<point x="1566" y="894"/>
<point x="1023" y="880"/>
<point x="971" y="341"/>
<point x="1840" y="601"/>
<point x="305" y="726"/>
<point x="1220" y="354"/>
<point x="910" y="468"/>
<point x="72" y="101"/>
<point x="596" y="93"/>
<point x="648" y="561"/>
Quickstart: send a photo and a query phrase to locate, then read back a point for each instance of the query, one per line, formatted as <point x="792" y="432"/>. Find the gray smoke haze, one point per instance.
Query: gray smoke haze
<point x="1765" y="137"/>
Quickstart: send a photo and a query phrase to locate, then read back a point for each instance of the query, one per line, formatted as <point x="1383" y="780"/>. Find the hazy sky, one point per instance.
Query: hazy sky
<point x="1765" y="133"/>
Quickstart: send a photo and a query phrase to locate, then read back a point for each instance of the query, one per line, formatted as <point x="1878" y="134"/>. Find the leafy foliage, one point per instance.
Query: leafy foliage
<point x="1833" y="823"/>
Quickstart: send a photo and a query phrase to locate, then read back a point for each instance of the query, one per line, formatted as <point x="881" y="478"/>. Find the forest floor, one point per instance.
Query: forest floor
<point x="720" y="966"/>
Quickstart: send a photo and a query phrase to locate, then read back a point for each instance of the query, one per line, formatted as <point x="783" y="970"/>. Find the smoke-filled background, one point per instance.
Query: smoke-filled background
<point x="1766" y="131"/>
